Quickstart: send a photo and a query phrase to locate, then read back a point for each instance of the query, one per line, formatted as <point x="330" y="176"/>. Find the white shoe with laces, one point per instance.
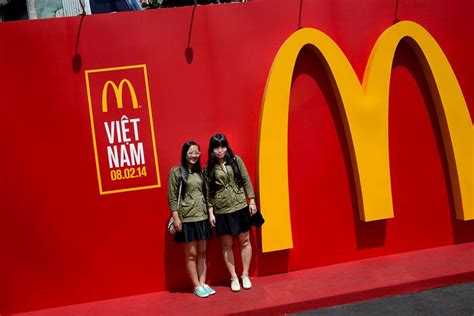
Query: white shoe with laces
<point x="234" y="284"/>
<point x="246" y="284"/>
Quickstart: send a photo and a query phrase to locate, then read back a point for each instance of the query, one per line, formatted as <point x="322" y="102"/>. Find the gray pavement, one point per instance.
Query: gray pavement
<point x="456" y="300"/>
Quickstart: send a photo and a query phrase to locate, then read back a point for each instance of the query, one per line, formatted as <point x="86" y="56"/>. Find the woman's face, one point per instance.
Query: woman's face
<point x="192" y="156"/>
<point x="220" y="152"/>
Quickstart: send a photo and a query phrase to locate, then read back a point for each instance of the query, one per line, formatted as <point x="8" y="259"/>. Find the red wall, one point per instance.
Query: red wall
<point x="63" y="243"/>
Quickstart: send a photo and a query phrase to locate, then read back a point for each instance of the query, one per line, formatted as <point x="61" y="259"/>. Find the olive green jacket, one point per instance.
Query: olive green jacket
<point x="192" y="208"/>
<point x="229" y="197"/>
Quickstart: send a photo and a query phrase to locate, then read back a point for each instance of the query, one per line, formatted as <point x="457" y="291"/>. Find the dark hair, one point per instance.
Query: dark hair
<point x="219" y="140"/>
<point x="184" y="168"/>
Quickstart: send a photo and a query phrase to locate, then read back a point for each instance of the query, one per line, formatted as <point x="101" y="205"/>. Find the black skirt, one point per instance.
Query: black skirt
<point x="194" y="231"/>
<point x="233" y="223"/>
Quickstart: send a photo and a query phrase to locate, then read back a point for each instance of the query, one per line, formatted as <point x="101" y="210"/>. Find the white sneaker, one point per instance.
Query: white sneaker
<point x="234" y="284"/>
<point x="246" y="284"/>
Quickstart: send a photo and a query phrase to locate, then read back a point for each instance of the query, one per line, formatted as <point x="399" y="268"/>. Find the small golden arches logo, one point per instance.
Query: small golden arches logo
<point x="118" y="91"/>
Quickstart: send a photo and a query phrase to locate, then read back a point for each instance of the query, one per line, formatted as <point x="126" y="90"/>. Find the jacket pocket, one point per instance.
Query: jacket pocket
<point x="187" y="208"/>
<point x="241" y="198"/>
<point x="221" y="201"/>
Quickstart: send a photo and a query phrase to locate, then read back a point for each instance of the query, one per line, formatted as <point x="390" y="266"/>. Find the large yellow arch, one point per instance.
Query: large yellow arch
<point x="364" y="109"/>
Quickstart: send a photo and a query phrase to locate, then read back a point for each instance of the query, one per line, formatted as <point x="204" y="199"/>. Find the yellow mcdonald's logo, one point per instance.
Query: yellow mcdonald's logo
<point x="137" y="139"/>
<point x="364" y="109"/>
<point x="118" y="91"/>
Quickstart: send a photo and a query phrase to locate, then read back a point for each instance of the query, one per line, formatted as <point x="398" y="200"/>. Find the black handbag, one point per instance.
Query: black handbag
<point x="257" y="219"/>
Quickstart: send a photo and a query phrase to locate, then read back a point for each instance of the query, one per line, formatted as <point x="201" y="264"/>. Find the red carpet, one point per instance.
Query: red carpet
<point x="302" y="290"/>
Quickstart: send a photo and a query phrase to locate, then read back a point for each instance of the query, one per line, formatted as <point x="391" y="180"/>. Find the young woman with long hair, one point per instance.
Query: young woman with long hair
<point x="186" y="200"/>
<point x="228" y="183"/>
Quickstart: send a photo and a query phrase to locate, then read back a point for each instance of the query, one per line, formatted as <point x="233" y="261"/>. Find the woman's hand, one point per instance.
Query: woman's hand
<point x="252" y="207"/>
<point x="212" y="218"/>
<point x="177" y="222"/>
